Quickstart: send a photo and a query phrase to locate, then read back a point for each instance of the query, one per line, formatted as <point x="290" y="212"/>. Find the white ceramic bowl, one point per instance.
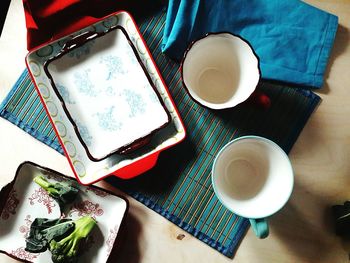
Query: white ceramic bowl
<point x="220" y="70"/>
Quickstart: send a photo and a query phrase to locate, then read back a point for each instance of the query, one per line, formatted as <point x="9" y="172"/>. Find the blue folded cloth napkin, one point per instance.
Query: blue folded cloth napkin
<point x="292" y="39"/>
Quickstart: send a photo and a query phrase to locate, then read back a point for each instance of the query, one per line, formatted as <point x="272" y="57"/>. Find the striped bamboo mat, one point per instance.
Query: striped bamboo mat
<point x="179" y="187"/>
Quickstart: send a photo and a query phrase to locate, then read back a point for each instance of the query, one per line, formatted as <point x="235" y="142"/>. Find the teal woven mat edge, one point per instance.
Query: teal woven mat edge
<point x="227" y="251"/>
<point x="315" y="101"/>
<point x="14" y="120"/>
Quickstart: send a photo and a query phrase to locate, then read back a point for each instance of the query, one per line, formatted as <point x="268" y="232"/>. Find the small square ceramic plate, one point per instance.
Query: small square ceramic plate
<point x="23" y="200"/>
<point x="105" y="98"/>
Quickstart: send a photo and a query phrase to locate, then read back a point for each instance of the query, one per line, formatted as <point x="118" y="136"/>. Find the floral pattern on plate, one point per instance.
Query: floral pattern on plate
<point x="84" y="84"/>
<point x="25" y="228"/>
<point x="84" y="132"/>
<point x="64" y="92"/>
<point x="10" y="205"/>
<point x="20" y="253"/>
<point x="113" y="232"/>
<point x="42" y="197"/>
<point x="82" y="51"/>
<point x="108" y="209"/>
<point x="87" y="207"/>
<point x="136" y="103"/>
<point x="114" y="66"/>
<point x="107" y="121"/>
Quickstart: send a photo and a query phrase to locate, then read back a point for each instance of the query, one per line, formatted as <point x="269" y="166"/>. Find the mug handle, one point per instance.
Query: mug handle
<point x="260" y="227"/>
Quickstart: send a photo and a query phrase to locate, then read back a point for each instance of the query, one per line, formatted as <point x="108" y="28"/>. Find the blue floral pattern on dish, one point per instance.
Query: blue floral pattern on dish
<point x="84" y="84"/>
<point x="110" y="91"/>
<point x="64" y="94"/>
<point x="131" y="55"/>
<point x="153" y="96"/>
<point x="114" y="65"/>
<point x="136" y="103"/>
<point x="82" y="50"/>
<point x="84" y="133"/>
<point x="107" y="121"/>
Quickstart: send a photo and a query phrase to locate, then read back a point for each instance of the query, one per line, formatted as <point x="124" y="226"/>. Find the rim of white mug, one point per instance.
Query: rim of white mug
<point x="261" y="139"/>
<point x="218" y="106"/>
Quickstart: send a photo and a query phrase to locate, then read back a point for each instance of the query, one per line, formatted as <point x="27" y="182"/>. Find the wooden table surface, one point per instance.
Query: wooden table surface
<point x="301" y="232"/>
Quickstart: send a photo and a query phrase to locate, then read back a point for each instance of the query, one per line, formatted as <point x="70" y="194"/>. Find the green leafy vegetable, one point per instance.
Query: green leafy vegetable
<point x="63" y="193"/>
<point x="43" y="230"/>
<point x="67" y="249"/>
<point x="63" y="237"/>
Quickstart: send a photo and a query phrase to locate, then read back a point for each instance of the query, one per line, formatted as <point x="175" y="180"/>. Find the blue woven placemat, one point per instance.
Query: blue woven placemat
<point x="179" y="187"/>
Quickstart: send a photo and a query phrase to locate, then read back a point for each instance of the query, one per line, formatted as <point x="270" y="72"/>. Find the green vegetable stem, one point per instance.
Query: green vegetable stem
<point x="63" y="193"/>
<point x="67" y="249"/>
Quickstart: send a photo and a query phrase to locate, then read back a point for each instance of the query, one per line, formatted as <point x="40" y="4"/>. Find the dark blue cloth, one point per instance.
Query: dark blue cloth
<point x="292" y="39"/>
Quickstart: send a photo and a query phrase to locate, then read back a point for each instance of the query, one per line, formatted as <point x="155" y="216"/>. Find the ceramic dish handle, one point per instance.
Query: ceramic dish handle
<point x="137" y="167"/>
<point x="79" y="39"/>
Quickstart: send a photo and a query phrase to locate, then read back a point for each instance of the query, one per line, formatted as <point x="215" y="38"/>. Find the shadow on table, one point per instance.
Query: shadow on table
<point x="311" y="241"/>
<point x="127" y="244"/>
<point x="161" y="178"/>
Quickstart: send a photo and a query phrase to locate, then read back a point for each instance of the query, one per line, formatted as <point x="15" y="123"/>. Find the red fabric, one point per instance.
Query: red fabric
<point x="47" y="20"/>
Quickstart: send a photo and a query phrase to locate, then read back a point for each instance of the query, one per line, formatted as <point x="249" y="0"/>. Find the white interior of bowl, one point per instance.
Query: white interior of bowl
<point x="220" y="71"/>
<point x="253" y="177"/>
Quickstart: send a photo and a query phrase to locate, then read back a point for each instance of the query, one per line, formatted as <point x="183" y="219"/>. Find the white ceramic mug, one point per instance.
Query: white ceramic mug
<point x="220" y="70"/>
<point x="253" y="177"/>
